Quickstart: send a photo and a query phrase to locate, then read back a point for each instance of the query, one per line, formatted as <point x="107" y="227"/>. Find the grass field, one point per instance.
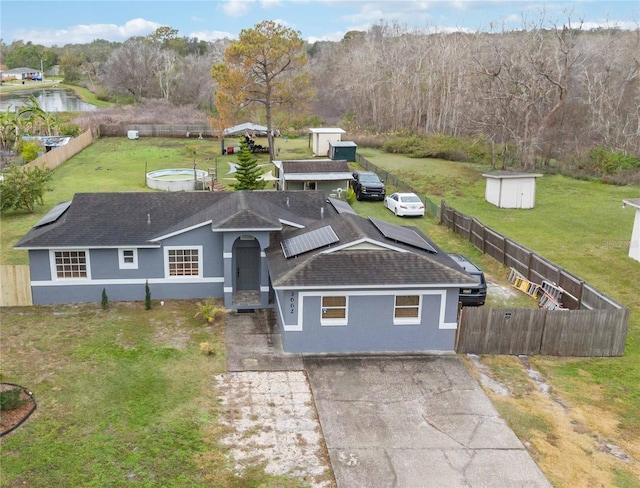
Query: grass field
<point x="594" y="403"/>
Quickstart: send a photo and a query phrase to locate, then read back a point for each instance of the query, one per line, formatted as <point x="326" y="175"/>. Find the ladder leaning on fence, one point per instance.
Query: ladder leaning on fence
<point x="548" y="295"/>
<point x="524" y="285"/>
<point x="551" y="298"/>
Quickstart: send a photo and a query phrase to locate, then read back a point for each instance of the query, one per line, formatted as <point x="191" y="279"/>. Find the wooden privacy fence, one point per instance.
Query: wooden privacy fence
<point x="15" y="286"/>
<point x="593" y="325"/>
<point x="577" y="294"/>
<point x="59" y="155"/>
<point x="592" y="333"/>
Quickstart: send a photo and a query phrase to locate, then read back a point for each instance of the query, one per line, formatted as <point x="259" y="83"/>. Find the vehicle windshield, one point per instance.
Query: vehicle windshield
<point x="369" y="179"/>
<point x="410" y="199"/>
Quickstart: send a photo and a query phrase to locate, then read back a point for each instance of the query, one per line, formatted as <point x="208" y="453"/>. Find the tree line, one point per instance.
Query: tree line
<point x="550" y="91"/>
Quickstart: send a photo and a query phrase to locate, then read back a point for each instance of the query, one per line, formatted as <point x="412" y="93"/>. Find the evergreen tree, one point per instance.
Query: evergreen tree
<point x="147" y="296"/>
<point x="248" y="172"/>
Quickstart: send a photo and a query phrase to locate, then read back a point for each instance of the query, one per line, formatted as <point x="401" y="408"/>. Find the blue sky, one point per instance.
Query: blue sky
<point x="59" y="22"/>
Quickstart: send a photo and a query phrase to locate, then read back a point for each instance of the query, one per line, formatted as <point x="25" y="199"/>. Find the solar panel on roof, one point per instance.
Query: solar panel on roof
<point x="53" y="214"/>
<point x="341" y="206"/>
<point x="402" y="234"/>
<point x="308" y="241"/>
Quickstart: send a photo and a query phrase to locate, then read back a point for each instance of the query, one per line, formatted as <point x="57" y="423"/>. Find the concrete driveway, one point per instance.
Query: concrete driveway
<point x="414" y="422"/>
<point x="391" y="421"/>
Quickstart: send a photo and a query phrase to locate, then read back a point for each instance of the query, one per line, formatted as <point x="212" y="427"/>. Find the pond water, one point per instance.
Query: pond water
<point x="49" y="99"/>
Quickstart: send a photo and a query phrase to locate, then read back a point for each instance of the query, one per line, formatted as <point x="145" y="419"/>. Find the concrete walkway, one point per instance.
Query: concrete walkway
<point x="389" y="421"/>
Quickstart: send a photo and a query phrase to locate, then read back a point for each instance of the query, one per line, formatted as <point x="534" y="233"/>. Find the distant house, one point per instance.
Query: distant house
<point x="339" y="283"/>
<point x="634" y="247"/>
<point x="314" y="174"/>
<point x="319" y="139"/>
<point x="506" y="189"/>
<point x="21" y="74"/>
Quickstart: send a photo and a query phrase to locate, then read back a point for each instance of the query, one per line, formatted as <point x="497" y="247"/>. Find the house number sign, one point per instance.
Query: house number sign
<point x="292" y="303"/>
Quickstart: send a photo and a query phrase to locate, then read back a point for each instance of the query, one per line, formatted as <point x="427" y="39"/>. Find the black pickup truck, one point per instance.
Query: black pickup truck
<point x="367" y="186"/>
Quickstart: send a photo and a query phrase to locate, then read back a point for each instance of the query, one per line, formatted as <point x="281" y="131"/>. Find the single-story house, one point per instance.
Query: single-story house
<point x="319" y="139"/>
<point x="634" y="246"/>
<point x="507" y="189"/>
<point x="21" y="74"/>
<point x="339" y="282"/>
<point x="332" y="177"/>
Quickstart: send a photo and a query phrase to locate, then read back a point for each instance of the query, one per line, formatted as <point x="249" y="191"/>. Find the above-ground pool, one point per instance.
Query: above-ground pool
<point x="175" y="179"/>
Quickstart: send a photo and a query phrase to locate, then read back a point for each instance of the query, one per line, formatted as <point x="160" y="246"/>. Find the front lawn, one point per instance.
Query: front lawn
<point x="126" y="397"/>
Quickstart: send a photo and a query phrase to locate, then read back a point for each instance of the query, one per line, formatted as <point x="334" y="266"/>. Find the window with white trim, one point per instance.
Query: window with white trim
<point x="128" y="258"/>
<point x="406" y="309"/>
<point x="334" y="310"/>
<point x="183" y="261"/>
<point x="71" y="264"/>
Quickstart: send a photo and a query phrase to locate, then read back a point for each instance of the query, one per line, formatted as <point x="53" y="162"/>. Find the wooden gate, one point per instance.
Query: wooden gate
<point x="15" y="286"/>
<point x="484" y="330"/>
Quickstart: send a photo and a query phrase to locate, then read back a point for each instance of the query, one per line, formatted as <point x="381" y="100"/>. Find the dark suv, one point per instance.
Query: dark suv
<point x="367" y="186"/>
<point x="475" y="295"/>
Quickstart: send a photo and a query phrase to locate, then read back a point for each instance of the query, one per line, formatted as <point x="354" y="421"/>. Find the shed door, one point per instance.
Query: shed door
<point x="248" y="267"/>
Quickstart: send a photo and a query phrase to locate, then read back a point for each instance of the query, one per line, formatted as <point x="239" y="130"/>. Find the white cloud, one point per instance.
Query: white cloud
<point x="86" y="33"/>
<point x="329" y="36"/>
<point x="237" y="8"/>
<point x="211" y="36"/>
<point x="267" y="4"/>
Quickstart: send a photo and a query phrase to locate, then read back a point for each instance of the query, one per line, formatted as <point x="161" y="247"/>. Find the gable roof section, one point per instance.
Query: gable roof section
<point x="310" y="166"/>
<point x="324" y="170"/>
<point x="139" y="219"/>
<point x="386" y="263"/>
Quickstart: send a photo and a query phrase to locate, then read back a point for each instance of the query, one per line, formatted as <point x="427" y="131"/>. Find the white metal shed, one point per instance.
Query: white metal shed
<point x="506" y="189"/>
<point x="634" y="247"/>
<point x="320" y="137"/>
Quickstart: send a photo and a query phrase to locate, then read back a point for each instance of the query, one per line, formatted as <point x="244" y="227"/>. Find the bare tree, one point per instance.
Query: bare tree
<point x="132" y="70"/>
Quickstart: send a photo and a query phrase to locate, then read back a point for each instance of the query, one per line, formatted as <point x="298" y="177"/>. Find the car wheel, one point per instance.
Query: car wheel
<point x="395" y="211"/>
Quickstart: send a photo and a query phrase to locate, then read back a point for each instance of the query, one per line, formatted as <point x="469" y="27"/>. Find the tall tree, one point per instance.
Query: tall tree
<point x="264" y="66"/>
<point x="248" y="172"/>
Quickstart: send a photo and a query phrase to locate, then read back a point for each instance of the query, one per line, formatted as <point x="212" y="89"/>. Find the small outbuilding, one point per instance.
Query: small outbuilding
<point x="342" y="150"/>
<point x="507" y="189"/>
<point x="332" y="177"/>
<point x="634" y="247"/>
<point x="319" y="139"/>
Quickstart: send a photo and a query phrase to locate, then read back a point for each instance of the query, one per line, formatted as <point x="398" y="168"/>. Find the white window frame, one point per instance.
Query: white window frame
<point x="54" y="266"/>
<point x="331" y="322"/>
<point x="167" y="273"/>
<point x="407" y="320"/>
<point x="122" y="258"/>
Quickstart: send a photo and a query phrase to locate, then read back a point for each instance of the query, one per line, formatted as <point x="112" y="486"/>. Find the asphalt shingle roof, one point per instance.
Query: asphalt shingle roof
<point x="337" y="166"/>
<point x="137" y="218"/>
<point x="357" y="266"/>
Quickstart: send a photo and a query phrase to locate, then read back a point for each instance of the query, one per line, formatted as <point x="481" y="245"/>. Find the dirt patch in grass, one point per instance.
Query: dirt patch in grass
<point x="573" y="445"/>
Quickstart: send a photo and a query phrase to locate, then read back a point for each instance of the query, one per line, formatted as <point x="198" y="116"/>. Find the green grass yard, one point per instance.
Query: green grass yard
<point x="577" y="224"/>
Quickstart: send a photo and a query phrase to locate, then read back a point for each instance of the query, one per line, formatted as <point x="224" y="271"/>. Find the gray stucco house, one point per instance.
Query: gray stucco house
<point x="339" y="282"/>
